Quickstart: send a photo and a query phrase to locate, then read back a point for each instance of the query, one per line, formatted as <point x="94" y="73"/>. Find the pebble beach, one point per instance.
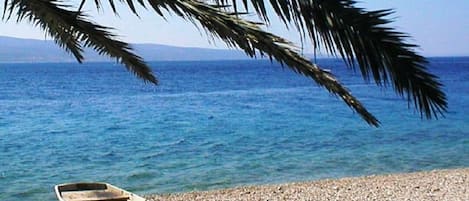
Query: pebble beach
<point x="450" y="184"/>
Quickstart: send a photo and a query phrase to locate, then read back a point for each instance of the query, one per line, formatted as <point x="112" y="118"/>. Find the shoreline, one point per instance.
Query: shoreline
<point x="445" y="184"/>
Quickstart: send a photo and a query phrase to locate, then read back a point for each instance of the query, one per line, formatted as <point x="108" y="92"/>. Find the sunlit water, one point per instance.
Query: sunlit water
<point x="211" y="125"/>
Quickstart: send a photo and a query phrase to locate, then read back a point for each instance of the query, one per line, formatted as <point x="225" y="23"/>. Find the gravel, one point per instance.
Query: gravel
<point x="438" y="185"/>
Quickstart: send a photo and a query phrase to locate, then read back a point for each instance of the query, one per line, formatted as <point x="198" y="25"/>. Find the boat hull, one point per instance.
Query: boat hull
<point x="93" y="192"/>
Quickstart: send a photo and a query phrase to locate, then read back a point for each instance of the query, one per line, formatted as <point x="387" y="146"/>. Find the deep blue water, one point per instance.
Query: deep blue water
<point x="211" y="125"/>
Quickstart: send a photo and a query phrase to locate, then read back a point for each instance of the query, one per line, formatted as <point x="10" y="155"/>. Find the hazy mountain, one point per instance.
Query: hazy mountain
<point x="30" y="50"/>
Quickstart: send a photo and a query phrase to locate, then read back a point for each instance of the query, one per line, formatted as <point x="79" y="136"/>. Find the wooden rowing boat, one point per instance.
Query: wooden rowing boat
<point x="93" y="192"/>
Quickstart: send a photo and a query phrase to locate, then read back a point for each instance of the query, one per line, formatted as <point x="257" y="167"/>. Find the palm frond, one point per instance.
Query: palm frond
<point x="70" y="28"/>
<point x="49" y="24"/>
<point x="252" y="39"/>
<point x="363" y="37"/>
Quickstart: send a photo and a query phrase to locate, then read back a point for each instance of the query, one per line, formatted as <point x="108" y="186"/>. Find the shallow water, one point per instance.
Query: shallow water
<point x="211" y="125"/>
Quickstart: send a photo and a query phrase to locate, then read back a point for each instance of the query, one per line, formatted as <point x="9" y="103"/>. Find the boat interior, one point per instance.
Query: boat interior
<point x="91" y="192"/>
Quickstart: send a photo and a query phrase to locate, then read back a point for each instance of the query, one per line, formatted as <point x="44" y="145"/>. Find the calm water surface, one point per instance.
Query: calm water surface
<point x="211" y="125"/>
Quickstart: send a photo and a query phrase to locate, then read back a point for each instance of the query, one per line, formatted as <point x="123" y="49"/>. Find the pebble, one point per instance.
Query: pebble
<point x="451" y="185"/>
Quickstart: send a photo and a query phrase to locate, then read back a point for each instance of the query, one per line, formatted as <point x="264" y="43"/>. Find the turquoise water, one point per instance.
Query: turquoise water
<point x="211" y="125"/>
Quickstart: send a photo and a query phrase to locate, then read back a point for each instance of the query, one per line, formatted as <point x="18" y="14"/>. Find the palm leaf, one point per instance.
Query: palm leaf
<point x="70" y="28"/>
<point x="362" y="37"/>
<point x="50" y="24"/>
<point x="252" y="39"/>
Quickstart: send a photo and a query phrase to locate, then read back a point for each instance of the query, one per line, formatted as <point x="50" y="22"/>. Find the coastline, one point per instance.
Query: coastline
<point x="446" y="184"/>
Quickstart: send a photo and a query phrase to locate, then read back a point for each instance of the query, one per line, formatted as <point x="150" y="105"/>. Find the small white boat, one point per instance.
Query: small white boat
<point x="93" y="192"/>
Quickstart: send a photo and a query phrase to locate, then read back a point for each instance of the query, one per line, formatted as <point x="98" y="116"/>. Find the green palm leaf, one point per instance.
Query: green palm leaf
<point x="248" y="36"/>
<point x="362" y="37"/>
<point x="71" y="30"/>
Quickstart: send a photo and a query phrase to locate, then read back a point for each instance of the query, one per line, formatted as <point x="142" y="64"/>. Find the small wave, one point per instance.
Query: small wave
<point x="178" y="142"/>
<point x="56" y="132"/>
<point x="151" y="156"/>
<point x="141" y="175"/>
<point x="115" y="128"/>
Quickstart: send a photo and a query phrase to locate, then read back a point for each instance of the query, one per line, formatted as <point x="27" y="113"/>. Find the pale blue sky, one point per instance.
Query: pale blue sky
<point x="441" y="28"/>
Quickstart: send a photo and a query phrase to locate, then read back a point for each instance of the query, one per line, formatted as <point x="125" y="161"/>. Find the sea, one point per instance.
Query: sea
<point x="213" y="125"/>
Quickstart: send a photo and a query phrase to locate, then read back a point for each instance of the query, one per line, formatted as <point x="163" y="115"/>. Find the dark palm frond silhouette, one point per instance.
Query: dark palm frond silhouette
<point x="362" y="38"/>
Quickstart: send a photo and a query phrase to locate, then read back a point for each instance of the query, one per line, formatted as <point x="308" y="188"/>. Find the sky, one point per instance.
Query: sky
<point x="440" y="28"/>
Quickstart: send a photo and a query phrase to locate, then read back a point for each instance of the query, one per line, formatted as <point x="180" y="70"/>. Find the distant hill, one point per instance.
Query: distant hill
<point x="30" y="50"/>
